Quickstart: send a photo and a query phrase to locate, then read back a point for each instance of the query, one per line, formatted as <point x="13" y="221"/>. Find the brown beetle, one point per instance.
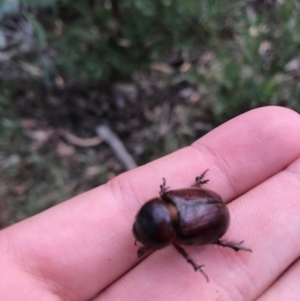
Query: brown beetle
<point x="190" y="216"/>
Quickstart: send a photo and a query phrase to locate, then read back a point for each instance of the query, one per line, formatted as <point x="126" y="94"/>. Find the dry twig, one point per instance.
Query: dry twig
<point x="117" y="146"/>
<point x="82" y="142"/>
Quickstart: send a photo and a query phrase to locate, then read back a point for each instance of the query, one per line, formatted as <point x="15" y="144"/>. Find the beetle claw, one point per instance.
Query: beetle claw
<point x="142" y="251"/>
<point x="198" y="181"/>
<point x="240" y="247"/>
<point x="235" y="246"/>
<point x="190" y="260"/>
<point x="199" y="268"/>
<point x="163" y="187"/>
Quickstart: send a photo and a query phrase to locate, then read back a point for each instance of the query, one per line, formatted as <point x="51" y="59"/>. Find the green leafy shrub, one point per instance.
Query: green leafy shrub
<point x="253" y="43"/>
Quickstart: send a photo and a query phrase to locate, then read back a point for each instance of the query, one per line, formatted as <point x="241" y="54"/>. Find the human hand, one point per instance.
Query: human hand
<point x="83" y="249"/>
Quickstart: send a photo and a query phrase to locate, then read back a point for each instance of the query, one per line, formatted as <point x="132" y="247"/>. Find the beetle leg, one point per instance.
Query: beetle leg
<point x="142" y="251"/>
<point x="235" y="246"/>
<point x="163" y="187"/>
<point x="190" y="260"/>
<point x="199" y="181"/>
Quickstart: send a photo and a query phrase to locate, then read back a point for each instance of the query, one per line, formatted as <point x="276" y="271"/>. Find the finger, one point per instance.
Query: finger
<point x="240" y="154"/>
<point x="85" y="244"/>
<point x="267" y="217"/>
<point x="250" y="148"/>
<point x="16" y="285"/>
<point x="287" y="287"/>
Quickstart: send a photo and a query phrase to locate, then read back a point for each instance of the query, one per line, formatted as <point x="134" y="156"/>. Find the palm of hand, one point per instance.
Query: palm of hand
<point x="83" y="249"/>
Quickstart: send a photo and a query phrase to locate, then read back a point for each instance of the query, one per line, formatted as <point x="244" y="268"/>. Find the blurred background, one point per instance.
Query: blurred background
<point x="92" y="88"/>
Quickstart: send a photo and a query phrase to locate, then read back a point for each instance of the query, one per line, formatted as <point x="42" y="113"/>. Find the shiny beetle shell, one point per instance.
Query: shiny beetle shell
<point x="202" y="218"/>
<point x="189" y="216"/>
<point x="153" y="226"/>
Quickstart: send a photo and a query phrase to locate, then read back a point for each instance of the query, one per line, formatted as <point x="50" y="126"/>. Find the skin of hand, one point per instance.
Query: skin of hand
<point x="83" y="249"/>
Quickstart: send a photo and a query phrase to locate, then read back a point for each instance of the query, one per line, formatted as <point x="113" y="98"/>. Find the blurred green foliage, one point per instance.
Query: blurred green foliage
<point x="253" y="41"/>
<point x="8" y="122"/>
<point x="237" y="54"/>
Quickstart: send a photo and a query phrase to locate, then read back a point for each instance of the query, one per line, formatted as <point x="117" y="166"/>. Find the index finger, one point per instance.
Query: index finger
<point x="85" y="244"/>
